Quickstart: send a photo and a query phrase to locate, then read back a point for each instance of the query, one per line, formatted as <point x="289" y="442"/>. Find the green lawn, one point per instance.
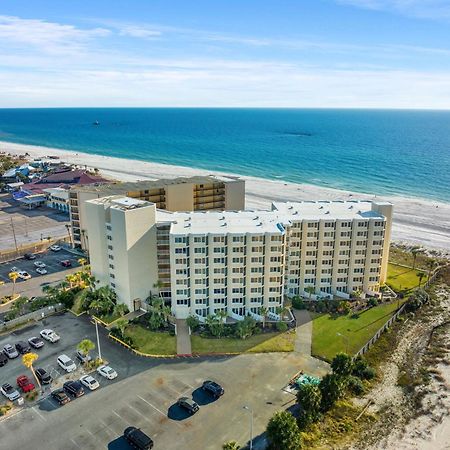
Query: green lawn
<point x="109" y="318"/>
<point x="151" y="342"/>
<point x="260" y="343"/>
<point x="326" y="341"/>
<point x="401" y="278"/>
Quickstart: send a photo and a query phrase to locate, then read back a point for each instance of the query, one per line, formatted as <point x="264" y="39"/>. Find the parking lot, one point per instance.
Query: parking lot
<point x="52" y="261"/>
<point x="145" y="395"/>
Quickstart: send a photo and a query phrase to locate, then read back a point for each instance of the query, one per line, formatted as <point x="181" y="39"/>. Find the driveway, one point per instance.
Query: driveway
<point x="145" y="393"/>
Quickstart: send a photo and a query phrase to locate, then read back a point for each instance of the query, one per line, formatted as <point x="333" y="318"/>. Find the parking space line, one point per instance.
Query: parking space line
<point x="120" y="417"/>
<point x="154" y="407"/>
<point x="142" y="415"/>
<point x="109" y="428"/>
<point x="74" y="442"/>
<point x="39" y="414"/>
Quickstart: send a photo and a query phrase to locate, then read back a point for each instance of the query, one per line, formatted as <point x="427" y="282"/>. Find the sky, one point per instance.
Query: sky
<point x="225" y="53"/>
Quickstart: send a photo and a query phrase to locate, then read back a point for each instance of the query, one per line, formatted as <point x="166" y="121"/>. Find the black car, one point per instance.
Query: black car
<point x="60" y="396"/>
<point x="188" y="404"/>
<point x="3" y="359"/>
<point x="43" y="376"/>
<point x="213" y="388"/>
<point x="29" y="256"/>
<point x="137" y="438"/>
<point x="74" y="388"/>
<point x="35" y="342"/>
<point x="22" y="347"/>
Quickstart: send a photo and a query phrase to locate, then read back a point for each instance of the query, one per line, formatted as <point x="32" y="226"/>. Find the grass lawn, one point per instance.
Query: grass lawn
<point x="326" y="341"/>
<point x="401" y="278"/>
<point x="260" y="343"/>
<point x="152" y="342"/>
<point x="108" y="318"/>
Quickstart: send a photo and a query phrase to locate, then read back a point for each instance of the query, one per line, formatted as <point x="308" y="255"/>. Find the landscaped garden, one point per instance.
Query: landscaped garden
<point x="333" y="334"/>
<point x="404" y="279"/>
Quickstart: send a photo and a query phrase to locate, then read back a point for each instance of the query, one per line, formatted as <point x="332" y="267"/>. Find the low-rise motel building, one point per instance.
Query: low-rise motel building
<point x="199" y="193"/>
<point x="203" y="262"/>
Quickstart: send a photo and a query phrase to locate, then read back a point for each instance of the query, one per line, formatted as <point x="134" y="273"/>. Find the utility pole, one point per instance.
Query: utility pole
<point x="251" y="425"/>
<point x="98" y="340"/>
<point x="14" y="234"/>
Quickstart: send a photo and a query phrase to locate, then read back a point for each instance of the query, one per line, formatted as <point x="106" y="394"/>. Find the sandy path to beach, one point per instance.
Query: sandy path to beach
<point x="416" y="221"/>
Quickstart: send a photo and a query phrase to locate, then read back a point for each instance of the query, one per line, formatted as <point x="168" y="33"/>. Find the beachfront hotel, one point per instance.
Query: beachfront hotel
<point x="203" y="262"/>
<point x="197" y="193"/>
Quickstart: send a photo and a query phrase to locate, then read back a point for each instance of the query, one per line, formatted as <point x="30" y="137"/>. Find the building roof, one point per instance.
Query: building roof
<point x="327" y="210"/>
<point x="130" y="186"/>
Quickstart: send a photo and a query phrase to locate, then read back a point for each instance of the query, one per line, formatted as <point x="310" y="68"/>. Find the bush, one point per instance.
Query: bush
<point x="31" y="396"/>
<point x="282" y="326"/>
<point x="372" y="302"/>
<point x="5" y="408"/>
<point x="193" y="323"/>
<point x="368" y="373"/>
<point x="298" y="303"/>
<point x="355" y="385"/>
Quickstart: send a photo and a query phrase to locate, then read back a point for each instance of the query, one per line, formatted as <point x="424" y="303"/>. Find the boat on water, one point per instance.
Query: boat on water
<point x="96" y="123"/>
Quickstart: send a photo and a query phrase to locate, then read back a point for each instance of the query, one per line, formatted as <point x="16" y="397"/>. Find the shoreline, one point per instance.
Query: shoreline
<point x="417" y="221"/>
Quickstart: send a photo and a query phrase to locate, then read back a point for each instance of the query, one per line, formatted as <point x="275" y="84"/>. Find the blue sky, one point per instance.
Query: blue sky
<point x="262" y="53"/>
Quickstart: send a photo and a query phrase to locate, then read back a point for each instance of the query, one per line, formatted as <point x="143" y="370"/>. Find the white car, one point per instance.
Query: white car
<point x="107" y="372"/>
<point x="49" y="335"/>
<point x="15" y="269"/>
<point x="39" y="264"/>
<point x="90" y="382"/>
<point x="55" y="248"/>
<point x="41" y="270"/>
<point x="24" y="275"/>
<point x="9" y="392"/>
<point x="66" y="363"/>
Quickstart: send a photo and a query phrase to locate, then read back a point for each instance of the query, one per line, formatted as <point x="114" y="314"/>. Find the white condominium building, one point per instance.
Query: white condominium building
<point x="237" y="261"/>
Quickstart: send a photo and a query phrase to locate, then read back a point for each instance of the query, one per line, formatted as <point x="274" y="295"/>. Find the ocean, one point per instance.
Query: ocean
<point x="371" y="151"/>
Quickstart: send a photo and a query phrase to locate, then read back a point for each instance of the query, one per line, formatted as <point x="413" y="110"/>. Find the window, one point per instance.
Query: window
<point x="217" y="239"/>
<point x="199" y="250"/>
<point x="238" y="239"/>
<point x="197" y="271"/>
<point x="111" y="266"/>
<point x="219" y="249"/>
<point x="111" y="275"/>
<point x="219" y="290"/>
<point x="238" y="249"/>
<point x="219" y="280"/>
<point x="219" y="260"/>
<point x="200" y="239"/>
<point x="257" y="238"/>
<point x="200" y="260"/>
<point x="110" y="256"/>
<point x="110" y="247"/>
<point x="184" y="271"/>
<point x="180" y="250"/>
<point x="180" y="260"/>
<point x="109" y="237"/>
<point x="180" y="240"/>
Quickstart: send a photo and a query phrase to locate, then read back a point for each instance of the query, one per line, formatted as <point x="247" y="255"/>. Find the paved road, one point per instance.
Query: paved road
<point x="145" y="393"/>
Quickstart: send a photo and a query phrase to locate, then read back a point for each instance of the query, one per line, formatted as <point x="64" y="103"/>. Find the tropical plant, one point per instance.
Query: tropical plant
<point x="121" y="309"/>
<point x="310" y="290"/>
<point x="192" y="322"/>
<point x="159" y="313"/>
<point x="231" y="445"/>
<point x="19" y="306"/>
<point x="13" y="277"/>
<point x="282" y="326"/>
<point x="103" y="300"/>
<point x="309" y="399"/>
<point x="355" y="385"/>
<point x="332" y="388"/>
<point x="121" y="325"/>
<point x="85" y="346"/>
<point x="415" y="251"/>
<point x="420" y="276"/>
<point x="245" y="327"/>
<point x="28" y="360"/>
<point x="263" y="312"/>
<point x="342" y="364"/>
<point x="82" y="262"/>
<point x="215" y="325"/>
<point x="298" y="303"/>
<point x="359" y="366"/>
<point x="283" y="432"/>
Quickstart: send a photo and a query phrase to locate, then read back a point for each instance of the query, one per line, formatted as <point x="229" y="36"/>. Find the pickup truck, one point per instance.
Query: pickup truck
<point x="24" y="383"/>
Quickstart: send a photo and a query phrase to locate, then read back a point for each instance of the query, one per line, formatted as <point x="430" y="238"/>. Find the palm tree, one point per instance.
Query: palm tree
<point x="420" y="275"/>
<point x="13" y="277"/>
<point x="72" y="279"/>
<point x="82" y="262"/>
<point x="310" y="290"/>
<point x="121" y="325"/>
<point x="414" y="252"/>
<point x="70" y="234"/>
<point x="85" y="346"/>
<point x="263" y="311"/>
<point x="231" y="445"/>
<point x="28" y="360"/>
<point x="120" y="309"/>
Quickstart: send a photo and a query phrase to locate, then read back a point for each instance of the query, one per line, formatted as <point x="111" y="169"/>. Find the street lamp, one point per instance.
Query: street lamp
<point x="251" y="424"/>
<point x="98" y="339"/>
<point x="346" y="341"/>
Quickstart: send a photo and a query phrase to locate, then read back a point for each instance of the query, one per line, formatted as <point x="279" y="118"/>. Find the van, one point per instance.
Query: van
<point x="137" y="438"/>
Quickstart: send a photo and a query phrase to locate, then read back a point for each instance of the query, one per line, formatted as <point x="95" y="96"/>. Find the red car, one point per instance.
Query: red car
<point x="24" y="383"/>
<point x="66" y="263"/>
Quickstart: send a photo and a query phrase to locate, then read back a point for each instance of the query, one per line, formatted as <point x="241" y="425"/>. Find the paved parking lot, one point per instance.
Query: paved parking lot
<point x="52" y="261"/>
<point x="29" y="225"/>
<point x="145" y="393"/>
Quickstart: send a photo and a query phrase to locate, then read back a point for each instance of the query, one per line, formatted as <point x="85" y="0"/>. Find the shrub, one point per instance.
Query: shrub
<point x="283" y="432"/>
<point x="309" y="399"/>
<point x="298" y="303"/>
<point x="342" y="364"/>
<point x="332" y="388"/>
<point x="355" y="385"/>
<point x="31" y="396"/>
<point x="359" y="366"/>
<point x="372" y="302"/>
<point x="5" y="408"/>
<point x="368" y="373"/>
<point x="193" y="323"/>
<point x="282" y="326"/>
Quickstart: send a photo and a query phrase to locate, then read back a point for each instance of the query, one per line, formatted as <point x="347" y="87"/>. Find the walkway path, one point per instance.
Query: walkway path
<point x="183" y="338"/>
<point x="303" y="339"/>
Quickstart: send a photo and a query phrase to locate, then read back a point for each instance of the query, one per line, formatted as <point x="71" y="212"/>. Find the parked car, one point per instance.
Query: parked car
<point x="24" y="275"/>
<point x="83" y="358"/>
<point x="24" y="383"/>
<point x="55" y="248"/>
<point x="22" y="347"/>
<point x="29" y="256"/>
<point x="66" y="363"/>
<point x="14" y="269"/>
<point x="60" y="396"/>
<point x="9" y="392"/>
<point x="43" y="376"/>
<point x="35" y="342"/>
<point x="137" y="438"/>
<point x="41" y="271"/>
<point x="49" y="335"/>
<point x="39" y="264"/>
<point x="213" y="388"/>
<point x="188" y="404"/>
<point x="66" y="263"/>
<point x="3" y="359"/>
<point x="90" y="382"/>
<point x="107" y="372"/>
<point x="74" y="388"/>
<point x="10" y="351"/>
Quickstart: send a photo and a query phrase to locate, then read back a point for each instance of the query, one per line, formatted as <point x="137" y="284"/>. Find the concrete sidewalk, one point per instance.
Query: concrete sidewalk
<point x="183" y="338"/>
<point x="303" y="339"/>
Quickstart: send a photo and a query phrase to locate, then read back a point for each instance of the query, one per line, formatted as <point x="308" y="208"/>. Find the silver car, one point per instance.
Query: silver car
<point x="10" y="351"/>
<point x="9" y="392"/>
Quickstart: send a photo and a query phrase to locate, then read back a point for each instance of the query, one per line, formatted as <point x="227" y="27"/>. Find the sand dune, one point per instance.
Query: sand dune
<point x="416" y="221"/>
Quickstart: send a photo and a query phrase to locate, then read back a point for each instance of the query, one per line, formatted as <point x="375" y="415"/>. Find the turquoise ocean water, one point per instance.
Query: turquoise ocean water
<point x="374" y="151"/>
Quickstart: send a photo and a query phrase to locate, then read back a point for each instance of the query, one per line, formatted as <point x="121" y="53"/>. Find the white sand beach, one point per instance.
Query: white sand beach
<point x="416" y="221"/>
